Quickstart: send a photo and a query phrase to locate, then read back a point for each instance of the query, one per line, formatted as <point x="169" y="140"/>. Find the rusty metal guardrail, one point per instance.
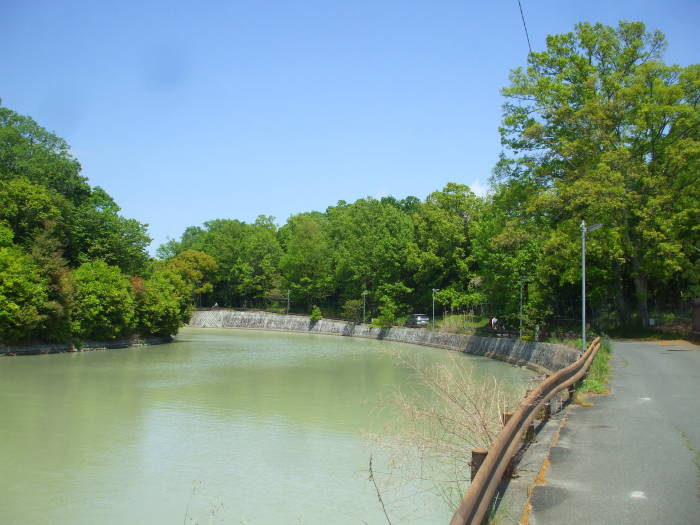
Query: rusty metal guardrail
<point x="478" y="497"/>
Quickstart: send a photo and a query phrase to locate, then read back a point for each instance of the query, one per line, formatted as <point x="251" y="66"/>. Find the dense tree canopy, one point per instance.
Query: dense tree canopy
<point x="71" y="267"/>
<point x="599" y="129"/>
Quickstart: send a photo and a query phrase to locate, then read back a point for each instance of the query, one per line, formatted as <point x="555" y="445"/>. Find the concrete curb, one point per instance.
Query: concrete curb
<point x="514" y="496"/>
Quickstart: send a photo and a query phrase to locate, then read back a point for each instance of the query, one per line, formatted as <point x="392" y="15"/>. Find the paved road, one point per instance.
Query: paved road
<point x="634" y="457"/>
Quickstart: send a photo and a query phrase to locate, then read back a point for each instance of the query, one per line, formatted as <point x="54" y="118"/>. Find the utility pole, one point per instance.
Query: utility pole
<point x="434" y="290"/>
<point x="584" y="229"/>
<point x="364" y="295"/>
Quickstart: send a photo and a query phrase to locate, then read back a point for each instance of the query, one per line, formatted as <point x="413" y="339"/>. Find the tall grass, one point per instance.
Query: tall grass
<point x="462" y="323"/>
<point x="596" y="380"/>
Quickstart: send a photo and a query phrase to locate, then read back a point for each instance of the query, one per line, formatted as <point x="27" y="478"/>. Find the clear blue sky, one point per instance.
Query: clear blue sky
<point x="190" y="111"/>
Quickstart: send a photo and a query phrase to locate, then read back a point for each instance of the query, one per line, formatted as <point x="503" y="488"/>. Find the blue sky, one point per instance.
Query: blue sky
<point x="190" y="111"/>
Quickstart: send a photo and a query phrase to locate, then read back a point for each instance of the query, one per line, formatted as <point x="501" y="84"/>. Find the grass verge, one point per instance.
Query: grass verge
<point x="596" y="381"/>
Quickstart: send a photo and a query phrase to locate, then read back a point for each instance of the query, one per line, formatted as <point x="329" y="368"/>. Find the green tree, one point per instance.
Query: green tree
<point x="23" y="296"/>
<point x="159" y="308"/>
<point x="258" y="270"/>
<point x="99" y="232"/>
<point x="103" y="302"/>
<point x="47" y="254"/>
<point x="352" y="310"/>
<point x="195" y="268"/>
<point x="372" y="244"/>
<point x="26" y="208"/>
<point x="387" y="312"/>
<point x="600" y="129"/>
<point x="444" y="226"/>
<point x="306" y="262"/>
<point x="29" y="151"/>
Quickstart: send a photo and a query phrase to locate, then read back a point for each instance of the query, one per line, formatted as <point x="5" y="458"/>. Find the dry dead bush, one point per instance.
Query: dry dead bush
<point x="463" y="413"/>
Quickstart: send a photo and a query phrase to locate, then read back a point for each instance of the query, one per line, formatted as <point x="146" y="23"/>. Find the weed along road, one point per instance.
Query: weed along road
<point x="634" y="456"/>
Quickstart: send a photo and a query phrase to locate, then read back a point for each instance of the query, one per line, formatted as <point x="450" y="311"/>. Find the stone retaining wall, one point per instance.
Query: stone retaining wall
<point x="57" y="348"/>
<point x="542" y="357"/>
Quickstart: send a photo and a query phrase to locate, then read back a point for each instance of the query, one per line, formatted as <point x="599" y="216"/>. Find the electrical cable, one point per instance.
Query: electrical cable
<point x="525" y="26"/>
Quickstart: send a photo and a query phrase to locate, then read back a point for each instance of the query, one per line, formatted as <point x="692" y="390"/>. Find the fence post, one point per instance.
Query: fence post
<point x="478" y="457"/>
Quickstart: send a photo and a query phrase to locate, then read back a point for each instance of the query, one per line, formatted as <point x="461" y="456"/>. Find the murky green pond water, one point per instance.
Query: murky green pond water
<point x="223" y="426"/>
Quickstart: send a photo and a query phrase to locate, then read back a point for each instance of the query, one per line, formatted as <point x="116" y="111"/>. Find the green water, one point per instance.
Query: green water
<point x="222" y="426"/>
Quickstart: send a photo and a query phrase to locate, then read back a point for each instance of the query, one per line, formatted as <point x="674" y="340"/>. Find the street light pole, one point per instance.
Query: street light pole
<point x="434" y="290"/>
<point x="584" y="230"/>
<point x="364" y="294"/>
<point x="287" y="302"/>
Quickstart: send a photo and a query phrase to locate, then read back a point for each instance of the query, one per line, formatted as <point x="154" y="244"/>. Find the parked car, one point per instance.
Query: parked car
<point x="417" y="320"/>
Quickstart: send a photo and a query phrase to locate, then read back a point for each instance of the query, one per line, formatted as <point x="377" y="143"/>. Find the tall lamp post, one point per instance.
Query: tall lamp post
<point x="584" y="229"/>
<point x="287" y="302"/>
<point x="434" y="290"/>
<point x="364" y="294"/>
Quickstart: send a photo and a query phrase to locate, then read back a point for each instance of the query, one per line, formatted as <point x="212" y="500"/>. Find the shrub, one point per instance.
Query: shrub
<point x="387" y="313"/>
<point x="316" y="314"/>
<point x="352" y="310"/>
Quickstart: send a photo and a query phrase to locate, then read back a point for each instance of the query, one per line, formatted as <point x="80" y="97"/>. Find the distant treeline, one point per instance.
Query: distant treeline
<point x="71" y="268"/>
<point x="595" y="128"/>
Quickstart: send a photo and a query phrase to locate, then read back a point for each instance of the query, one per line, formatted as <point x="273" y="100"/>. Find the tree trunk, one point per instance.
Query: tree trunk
<point x="621" y="306"/>
<point x="641" y="291"/>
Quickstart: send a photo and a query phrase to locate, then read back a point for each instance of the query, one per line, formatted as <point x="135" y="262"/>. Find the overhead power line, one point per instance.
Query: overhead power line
<point x="525" y="26"/>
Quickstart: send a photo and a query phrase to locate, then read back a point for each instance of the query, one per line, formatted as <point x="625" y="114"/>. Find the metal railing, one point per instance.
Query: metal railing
<point x="477" y="500"/>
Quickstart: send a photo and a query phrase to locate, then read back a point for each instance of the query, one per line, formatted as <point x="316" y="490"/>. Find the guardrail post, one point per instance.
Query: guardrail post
<point x="505" y="417"/>
<point x="478" y="457"/>
<point x="530" y="433"/>
<point x="547" y="411"/>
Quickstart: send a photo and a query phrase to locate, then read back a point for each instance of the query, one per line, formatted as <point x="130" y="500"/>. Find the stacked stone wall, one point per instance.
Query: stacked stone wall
<point x="542" y="357"/>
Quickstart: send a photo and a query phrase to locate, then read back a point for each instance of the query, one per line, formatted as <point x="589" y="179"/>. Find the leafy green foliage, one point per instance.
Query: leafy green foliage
<point x="99" y="232"/>
<point x="195" y="268"/>
<point x="25" y="207"/>
<point x="316" y="314"/>
<point x="387" y="312"/>
<point x="23" y="296"/>
<point x="29" y="151"/>
<point x="161" y="306"/>
<point x="306" y="262"/>
<point x="601" y="130"/>
<point x="104" y="304"/>
<point x="352" y="310"/>
<point x="66" y="253"/>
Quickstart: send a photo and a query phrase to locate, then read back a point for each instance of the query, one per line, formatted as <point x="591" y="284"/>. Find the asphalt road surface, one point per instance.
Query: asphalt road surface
<point x="633" y="457"/>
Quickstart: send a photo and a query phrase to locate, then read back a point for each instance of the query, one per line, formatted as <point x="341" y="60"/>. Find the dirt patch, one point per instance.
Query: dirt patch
<point x="678" y="342"/>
